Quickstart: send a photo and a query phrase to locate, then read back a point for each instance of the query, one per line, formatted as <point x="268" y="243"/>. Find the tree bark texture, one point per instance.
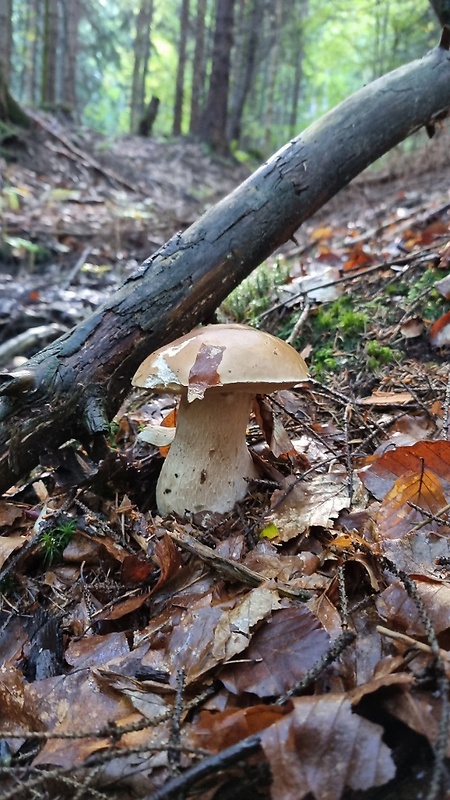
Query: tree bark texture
<point x="181" y="68"/>
<point x="198" y="68"/>
<point x="49" y="54"/>
<point x="213" y="124"/>
<point x="10" y="111"/>
<point x="6" y="8"/>
<point x="76" y="384"/>
<point x="144" y="21"/>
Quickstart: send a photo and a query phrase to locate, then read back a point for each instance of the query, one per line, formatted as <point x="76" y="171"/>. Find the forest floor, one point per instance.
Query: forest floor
<point x="298" y="647"/>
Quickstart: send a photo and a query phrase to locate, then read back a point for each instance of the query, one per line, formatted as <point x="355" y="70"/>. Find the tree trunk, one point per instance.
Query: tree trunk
<point x="273" y="72"/>
<point x="73" y="387"/>
<point x="6" y="9"/>
<point x="244" y="79"/>
<point x="213" y="125"/>
<point x="442" y="9"/>
<point x="49" y="55"/>
<point x="298" y="47"/>
<point x="198" y="68"/>
<point x="146" y="123"/>
<point x="72" y="11"/>
<point x="140" y="66"/>
<point x="181" y="69"/>
<point x="10" y="111"/>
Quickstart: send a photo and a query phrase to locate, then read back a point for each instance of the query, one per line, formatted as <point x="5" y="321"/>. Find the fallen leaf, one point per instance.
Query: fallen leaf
<point x="321" y="748"/>
<point x="217" y="730"/>
<point x="379" y="398"/>
<point x="380" y="475"/>
<point x="397" y="515"/>
<point x="8" y="544"/>
<point x="396" y="607"/>
<point x="209" y="635"/>
<point x="279" y="655"/>
<point x="316" y="502"/>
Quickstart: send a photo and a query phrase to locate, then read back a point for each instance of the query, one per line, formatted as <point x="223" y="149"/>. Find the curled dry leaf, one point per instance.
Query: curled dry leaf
<point x="397" y="513"/>
<point x="381" y="474"/>
<point x="321" y="748"/>
<point x="217" y="730"/>
<point x="419" y="552"/>
<point x="279" y="655"/>
<point x="211" y="634"/>
<point x="317" y="502"/>
<point x="396" y="607"/>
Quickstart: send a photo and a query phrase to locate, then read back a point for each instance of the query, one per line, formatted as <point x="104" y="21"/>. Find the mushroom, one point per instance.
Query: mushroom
<point x="217" y="370"/>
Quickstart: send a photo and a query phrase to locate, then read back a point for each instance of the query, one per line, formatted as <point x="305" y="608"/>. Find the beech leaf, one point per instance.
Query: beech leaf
<point x="280" y="654"/>
<point x="321" y="748"/>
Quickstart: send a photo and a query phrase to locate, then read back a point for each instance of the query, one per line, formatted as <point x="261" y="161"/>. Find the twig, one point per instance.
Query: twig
<point x="445" y="421"/>
<point x="76" y="268"/>
<point x="348" y="452"/>
<point x="300" y="322"/>
<point x="440" y="746"/>
<point x="408" y="640"/>
<point x="209" y="766"/>
<point x="174" y="753"/>
<point x="232" y="569"/>
<point x="344" y="640"/>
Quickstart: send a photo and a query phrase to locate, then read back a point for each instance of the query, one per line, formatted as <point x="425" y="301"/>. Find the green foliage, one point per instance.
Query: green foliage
<point x="54" y="540"/>
<point x="340" y="46"/>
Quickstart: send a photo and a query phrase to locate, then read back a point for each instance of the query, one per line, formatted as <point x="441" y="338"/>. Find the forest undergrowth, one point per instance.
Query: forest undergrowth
<point x="299" y="646"/>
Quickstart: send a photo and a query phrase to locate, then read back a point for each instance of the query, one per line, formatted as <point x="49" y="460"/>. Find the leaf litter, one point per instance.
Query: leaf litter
<point x="298" y="647"/>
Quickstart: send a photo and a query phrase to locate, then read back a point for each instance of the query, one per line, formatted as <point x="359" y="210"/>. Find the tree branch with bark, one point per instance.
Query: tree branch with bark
<point x="73" y="387"/>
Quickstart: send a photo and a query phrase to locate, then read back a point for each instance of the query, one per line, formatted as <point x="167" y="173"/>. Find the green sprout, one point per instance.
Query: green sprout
<point x="54" y="540"/>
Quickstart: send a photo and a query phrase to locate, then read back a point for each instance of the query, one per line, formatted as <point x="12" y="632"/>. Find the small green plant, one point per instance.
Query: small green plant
<point x="378" y="355"/>
<point x="54" y="540"/>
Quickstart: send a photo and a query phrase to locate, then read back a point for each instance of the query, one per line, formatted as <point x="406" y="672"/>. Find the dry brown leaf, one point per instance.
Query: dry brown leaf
<point x="317" y="502"/>
<point x="418" y="551"/>
<point x="217" y="730"/>
<point x="396" y="607"/>
<point x="209" y="635"/>
<point x="381" y="474"/>
<point x="421" y="711"/>
<point x="321" y="748"/>
<point x="8" y="544"/>
<point x="279" y="655"/>
<point x="379" y="398"/>
<point x="70" y="703"/>
<point x="396" y="515"/>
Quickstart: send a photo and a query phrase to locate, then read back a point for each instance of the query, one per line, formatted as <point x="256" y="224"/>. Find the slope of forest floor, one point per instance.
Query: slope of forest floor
<point x="298" y="647"/>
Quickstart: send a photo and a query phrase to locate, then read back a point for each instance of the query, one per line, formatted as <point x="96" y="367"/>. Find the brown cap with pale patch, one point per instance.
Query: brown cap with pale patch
<point x="234" y="357"/>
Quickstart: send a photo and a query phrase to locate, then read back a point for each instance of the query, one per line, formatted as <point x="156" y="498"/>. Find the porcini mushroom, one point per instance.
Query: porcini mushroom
<point x="217" y="370"/>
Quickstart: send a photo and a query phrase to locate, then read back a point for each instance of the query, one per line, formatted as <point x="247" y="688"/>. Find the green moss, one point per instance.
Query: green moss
<point x="378" y="355"/>
<point x="256" y="293"/>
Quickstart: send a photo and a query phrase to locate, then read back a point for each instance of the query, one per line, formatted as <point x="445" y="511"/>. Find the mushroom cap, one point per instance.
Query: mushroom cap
<point x="227" y="357"/>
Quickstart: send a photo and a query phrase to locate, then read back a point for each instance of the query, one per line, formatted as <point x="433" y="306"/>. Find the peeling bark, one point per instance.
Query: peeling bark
<point x="79" y="381"/>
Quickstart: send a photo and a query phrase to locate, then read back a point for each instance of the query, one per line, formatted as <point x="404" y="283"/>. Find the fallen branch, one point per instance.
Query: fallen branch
<point x="77" y="383"/>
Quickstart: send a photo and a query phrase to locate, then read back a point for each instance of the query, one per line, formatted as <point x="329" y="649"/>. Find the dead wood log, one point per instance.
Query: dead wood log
<point x="73" y="387"/>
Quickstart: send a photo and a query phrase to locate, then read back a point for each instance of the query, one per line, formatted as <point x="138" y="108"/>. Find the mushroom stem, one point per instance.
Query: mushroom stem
<point x="208" y="461"/>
